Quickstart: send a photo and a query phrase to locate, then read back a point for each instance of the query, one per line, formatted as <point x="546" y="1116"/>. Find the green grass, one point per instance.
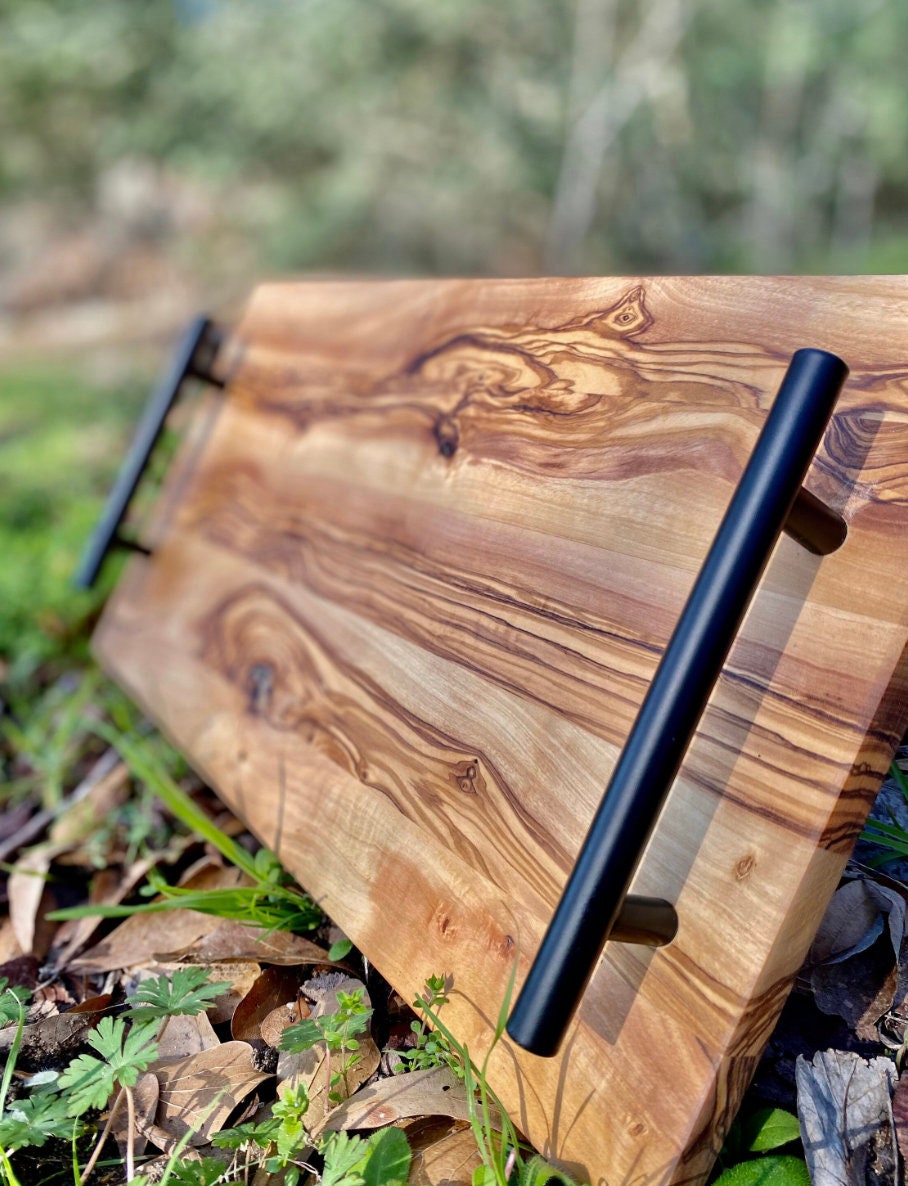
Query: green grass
<point x="61" y="439"/>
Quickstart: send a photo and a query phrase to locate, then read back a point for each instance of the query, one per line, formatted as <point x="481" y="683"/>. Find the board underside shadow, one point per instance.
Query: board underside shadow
<point x="412" y="572"/>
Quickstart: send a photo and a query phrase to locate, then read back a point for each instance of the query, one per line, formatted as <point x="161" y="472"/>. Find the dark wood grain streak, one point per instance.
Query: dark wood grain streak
<point x="458" y="613"/>
<point x="587" y="393"/>
<point x="408" y="596"/>
<point x="394" y="587"/>
<point x="294" y="680"/>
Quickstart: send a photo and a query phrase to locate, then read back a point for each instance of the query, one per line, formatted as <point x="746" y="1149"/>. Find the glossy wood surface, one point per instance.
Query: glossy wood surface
<point x="412" y="575"/>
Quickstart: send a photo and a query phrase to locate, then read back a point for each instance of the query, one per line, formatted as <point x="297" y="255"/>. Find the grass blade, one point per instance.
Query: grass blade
<point x="147" y="770"/>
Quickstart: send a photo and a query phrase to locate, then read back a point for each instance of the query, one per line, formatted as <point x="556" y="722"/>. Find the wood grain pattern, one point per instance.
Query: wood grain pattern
<point x="407" y="597"/>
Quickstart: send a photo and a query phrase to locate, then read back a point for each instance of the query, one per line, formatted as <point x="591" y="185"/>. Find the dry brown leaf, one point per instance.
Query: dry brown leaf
<point x="845" y="1114"/>
<point x="207" y="871"/>
<point x="21" y="971"/>
<point x="49" y="999"/>
<point x="444" y="1154"/>
<point x="276" y="987"/>
<point x="433" y="1092"/>
<point x="186" y="1035"/>
<point x="852" y="922"/>
<point x="49" y="1041"/>
<point x="136" y="938"/>
<point x="108" y="888"/>
<point x="133" y="941"/>
<point x="855" y="953"/>
<point x="29" y="897"/>
<point x="80" y="819"/>
<point x="231" y="940"/>
<point x="273" y="1026"/>
<point x="900" y="1115"/>
<point x="26" y="888"/>
<point x="9" y="944"/>
<point x="860" y="989"/>
<point x="199" y="1093"/>
<point x="866" y="1027"/>
<point x="240" y="976"/>
<point x="165" y="1141"/>
<point x="313" y="1068"/>
<point x="97" y="1004"/>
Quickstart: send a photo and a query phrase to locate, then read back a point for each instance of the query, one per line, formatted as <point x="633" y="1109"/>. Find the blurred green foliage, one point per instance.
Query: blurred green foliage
<point x="414" y="136"/>
<point x="60" y="442"/>
<point x="483" y="136"/>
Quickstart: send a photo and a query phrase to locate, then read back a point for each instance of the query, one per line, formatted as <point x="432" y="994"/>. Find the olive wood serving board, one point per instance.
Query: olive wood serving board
<point x="412" y="572"/>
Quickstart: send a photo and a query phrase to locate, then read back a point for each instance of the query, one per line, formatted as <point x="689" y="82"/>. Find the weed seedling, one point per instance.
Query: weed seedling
<point x="281" y="1136"/>
<point x="338" y="1031"/>
<point x="502" y="1152"/>
<point x="432" y="1048"/>
<point x="89" y="1082"/>
<point x="32" y="1121"/>
<point x="270" y="901"/>
<point x="187" y="993"/>
<point x="47" y="737"/>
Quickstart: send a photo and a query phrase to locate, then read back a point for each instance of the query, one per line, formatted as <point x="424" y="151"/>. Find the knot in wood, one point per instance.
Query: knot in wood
<point x="745" y="866"/>
<point x="468" y="777"/>
<point x="447" y="436"/>
<point x="259" y="687"/>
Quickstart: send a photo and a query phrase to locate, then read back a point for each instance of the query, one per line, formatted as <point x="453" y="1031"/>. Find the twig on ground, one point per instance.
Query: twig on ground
<point x="41" y="820"/>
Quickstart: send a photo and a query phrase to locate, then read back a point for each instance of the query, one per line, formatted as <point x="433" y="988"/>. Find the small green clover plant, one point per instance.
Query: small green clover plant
<point x="33" y="1120"/>
<point x="382" y="1160"/>
<point x="432" y="1048"/>
<point x="281" y="1136"/>
<point x="187" y="993"/>
<point x="89" y="1082"/>
<point x="338" y="1031"/>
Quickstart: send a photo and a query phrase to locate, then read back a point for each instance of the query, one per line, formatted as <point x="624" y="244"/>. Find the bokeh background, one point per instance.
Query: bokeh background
<point x="162" y="156"/>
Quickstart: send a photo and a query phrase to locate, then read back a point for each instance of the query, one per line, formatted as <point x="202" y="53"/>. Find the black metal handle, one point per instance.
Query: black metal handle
<point x="193" y="357"/>
<point x="671" y="710"/>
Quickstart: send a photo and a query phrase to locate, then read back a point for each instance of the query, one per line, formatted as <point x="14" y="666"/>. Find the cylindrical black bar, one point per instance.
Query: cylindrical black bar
<point x="675" y="701"/>
<point x="150" y="426"/>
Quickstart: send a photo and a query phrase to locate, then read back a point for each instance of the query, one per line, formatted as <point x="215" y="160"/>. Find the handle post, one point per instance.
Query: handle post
<point x="193" y="356"/>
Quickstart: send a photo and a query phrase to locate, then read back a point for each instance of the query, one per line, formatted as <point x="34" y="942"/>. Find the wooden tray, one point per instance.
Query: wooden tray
<point x="412" y="573"/>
